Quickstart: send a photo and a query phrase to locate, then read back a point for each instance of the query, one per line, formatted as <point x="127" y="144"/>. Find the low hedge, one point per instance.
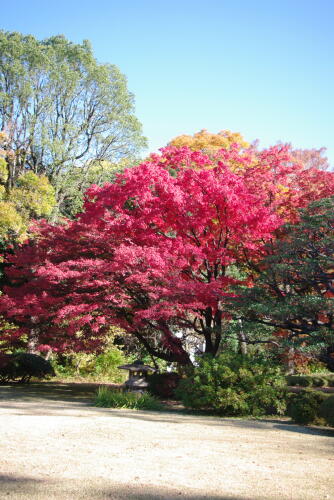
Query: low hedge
<point x="326" y="410"/>
<point x="304" y="407"/>
<point x="318" y="380"/>
<point x="299" y="380"/>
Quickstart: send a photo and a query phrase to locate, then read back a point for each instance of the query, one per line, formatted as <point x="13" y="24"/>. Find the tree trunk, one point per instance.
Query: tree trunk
<point x="242" y="340"/>
<point x="290" y="361"/>
<point x="33" y="337"/>
<point x="48" y="355"/>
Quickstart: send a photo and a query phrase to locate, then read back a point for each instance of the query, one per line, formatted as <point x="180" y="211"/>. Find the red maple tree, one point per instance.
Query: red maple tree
<point x="152" y="252"/>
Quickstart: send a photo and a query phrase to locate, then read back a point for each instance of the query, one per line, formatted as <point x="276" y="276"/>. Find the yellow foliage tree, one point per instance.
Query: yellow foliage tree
<point x="209" y="143"/>
<point x="31" y="197"/>
<point x="12" y="224"/>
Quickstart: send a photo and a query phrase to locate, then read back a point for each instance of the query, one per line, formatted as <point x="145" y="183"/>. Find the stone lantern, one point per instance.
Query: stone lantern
<point x="138" y="373"/>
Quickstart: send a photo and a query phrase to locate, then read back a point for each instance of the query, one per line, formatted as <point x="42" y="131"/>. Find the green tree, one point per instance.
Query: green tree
<point x="73" y="186"/>
<point x="61" y="109"/>
<point x="294" y="288"/>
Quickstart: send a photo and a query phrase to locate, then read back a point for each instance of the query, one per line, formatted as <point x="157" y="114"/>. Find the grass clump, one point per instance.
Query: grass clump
<point x="107" y="398"/>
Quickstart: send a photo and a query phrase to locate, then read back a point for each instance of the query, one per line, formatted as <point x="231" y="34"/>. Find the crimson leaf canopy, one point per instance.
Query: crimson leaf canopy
<point x="152" y="252"/>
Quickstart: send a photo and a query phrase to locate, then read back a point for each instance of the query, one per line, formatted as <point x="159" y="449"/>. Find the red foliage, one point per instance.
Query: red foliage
<point x="311" y="158"/>
<point x="151" y="252"/>
<point x="285" y="184"/>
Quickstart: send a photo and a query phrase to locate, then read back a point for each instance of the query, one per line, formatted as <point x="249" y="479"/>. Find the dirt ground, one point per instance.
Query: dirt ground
<point x="55" y="445"/>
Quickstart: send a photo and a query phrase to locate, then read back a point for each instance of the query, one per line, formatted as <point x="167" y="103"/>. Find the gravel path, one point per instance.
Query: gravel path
<point x="55" y="446"/>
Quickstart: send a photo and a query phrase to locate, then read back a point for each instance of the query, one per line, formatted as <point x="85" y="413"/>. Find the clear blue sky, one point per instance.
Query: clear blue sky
<point x="264" y="68"/>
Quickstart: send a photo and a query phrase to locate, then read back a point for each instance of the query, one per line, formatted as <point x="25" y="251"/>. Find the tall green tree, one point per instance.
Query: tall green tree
<point x="61" y="109"/>
<point x="73" y="185"/>
<point x="294" y="286"/>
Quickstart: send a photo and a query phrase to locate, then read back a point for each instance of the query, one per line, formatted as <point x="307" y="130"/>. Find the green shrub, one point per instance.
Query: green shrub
<point x="315" y="367"/>
<point x="326" y="410"/>
<point x="106" y="365"/>
<point x="107" y="398"/>
<point x="100" y="367"/>
<point x="232" y="384"/>
<point x="163" y="385"/>
<point x="304" y="407"/>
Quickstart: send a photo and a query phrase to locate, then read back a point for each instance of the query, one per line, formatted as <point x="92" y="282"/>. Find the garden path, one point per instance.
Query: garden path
<point x="55" y="445"/>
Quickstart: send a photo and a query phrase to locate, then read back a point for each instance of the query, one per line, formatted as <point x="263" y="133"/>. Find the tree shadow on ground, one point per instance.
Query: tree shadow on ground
<point x="53" y="390"/>
<point x="311" y="431"/>
<point x="21" y="487"/>
<point x="47" y="398"/>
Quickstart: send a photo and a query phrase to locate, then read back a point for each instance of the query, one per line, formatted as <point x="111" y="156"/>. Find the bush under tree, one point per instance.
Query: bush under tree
<point x="23" y="366"/>
<point x="235" y="385"/>
<point x="163" y="384"/>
